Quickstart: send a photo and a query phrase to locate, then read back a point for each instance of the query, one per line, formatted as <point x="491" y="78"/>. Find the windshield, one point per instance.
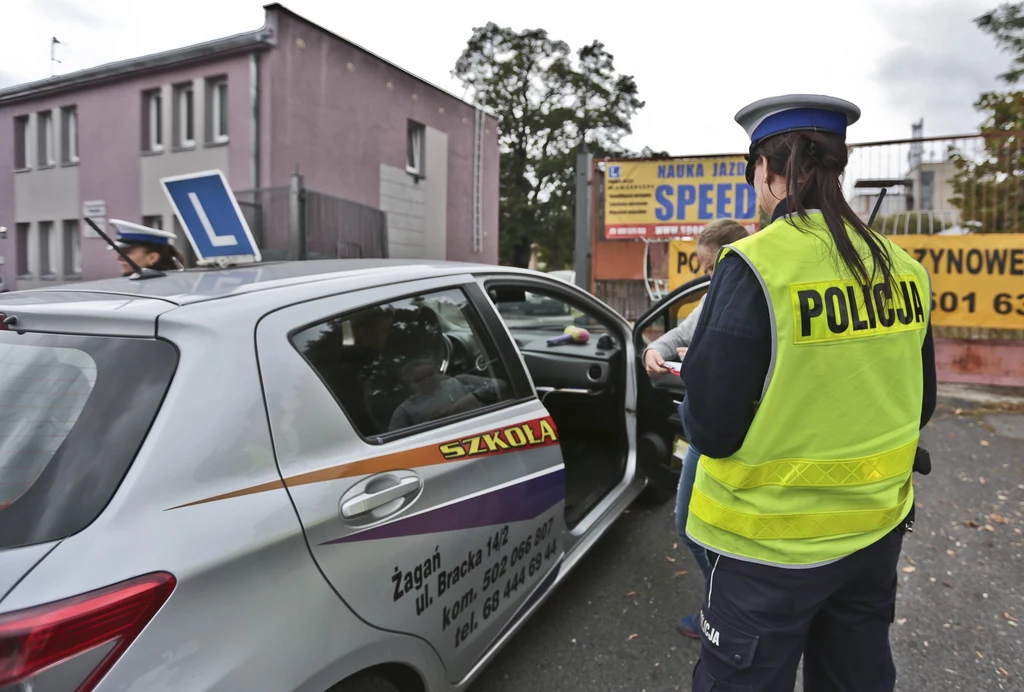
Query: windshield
<point x="73" y="412"/>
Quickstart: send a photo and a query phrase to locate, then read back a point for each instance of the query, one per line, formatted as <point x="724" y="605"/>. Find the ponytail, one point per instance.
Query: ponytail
<point x="170" y="257"/>
<point x="812" y="163"/>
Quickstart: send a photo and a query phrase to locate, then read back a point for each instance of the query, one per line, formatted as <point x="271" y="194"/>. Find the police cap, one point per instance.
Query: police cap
<point x="129" y="234"/>
<point x="779" y="114"/>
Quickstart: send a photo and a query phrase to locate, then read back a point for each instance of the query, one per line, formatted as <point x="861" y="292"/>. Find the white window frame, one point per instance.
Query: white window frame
<point x="154" y="106"/>
<point x="414" y="145"/>
<point x="23" y="237"/>
<point x="69" y="131"/>
<point x="44" y="125"/>
<point x="184" y="102"/>
<point x="26" y="140"/>
<point x="47" y="261"/>
<point x="154" y="221"/>
<point x="217" y="93"/>
<point x="71" y="240"/>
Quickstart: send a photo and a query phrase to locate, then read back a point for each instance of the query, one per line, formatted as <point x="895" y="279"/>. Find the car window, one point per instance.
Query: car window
<point x="671" y="316"/>
<point x="73" y="412"/>
<point x="544" y="312"/>
<point x="43" y="390"/>
<point x="407" y="363"/>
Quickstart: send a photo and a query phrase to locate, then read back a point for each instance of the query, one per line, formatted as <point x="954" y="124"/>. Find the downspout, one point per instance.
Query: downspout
<point x="480" y="120"/>
<point x="254" y="115"/>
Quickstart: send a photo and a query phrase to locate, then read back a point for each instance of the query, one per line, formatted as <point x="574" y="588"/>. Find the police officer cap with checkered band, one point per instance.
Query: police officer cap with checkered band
<point x="158" y="249"/>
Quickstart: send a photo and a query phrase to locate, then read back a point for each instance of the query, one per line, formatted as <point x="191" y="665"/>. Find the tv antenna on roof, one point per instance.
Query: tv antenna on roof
<point x="53" y="53"/>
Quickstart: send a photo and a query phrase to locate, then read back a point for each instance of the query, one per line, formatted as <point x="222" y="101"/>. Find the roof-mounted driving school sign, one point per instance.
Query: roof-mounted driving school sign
<point x="212" y="219"/>
<point x="675" y="198"/>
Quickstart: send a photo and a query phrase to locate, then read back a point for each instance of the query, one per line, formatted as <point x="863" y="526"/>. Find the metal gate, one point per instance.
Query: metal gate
<point x="295" y="223"/>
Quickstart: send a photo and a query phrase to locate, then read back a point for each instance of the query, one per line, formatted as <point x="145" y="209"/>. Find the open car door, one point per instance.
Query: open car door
<point x="660" y="439"/>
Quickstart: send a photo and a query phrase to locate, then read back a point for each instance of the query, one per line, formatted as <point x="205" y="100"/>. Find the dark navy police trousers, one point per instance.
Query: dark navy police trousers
<point x="758" y="621"/>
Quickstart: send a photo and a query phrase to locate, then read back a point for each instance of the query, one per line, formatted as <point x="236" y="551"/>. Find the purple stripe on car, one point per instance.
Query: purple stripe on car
<point x="518" y="502"/>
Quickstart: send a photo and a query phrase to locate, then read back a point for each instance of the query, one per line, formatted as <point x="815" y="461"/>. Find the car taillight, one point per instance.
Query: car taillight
<point x="36" y="640"/>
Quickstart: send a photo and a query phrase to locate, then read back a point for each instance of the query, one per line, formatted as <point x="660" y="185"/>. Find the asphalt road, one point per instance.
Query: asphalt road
<point x="960" y="613"/>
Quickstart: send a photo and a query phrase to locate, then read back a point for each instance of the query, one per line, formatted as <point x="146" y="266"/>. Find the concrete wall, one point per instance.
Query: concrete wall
<point x="417" y="208"/>
<point x="986" y="362"/>
<point x="339" y="114"/>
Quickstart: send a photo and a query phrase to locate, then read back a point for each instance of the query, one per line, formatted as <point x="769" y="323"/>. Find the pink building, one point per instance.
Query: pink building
<point x="257" y="106"/>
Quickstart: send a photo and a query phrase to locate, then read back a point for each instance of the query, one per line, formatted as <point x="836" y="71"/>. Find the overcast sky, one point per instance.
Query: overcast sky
<point x="695" y="63"/>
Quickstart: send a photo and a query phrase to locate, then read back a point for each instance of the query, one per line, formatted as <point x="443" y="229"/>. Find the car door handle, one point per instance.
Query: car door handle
<point x="367" y="502"/>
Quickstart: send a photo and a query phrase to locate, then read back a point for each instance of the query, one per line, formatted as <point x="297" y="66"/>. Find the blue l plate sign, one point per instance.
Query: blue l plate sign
<point x="211" y="217"/>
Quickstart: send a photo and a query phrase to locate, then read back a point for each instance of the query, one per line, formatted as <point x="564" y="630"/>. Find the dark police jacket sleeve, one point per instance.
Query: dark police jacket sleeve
<point x="726" y="365"/>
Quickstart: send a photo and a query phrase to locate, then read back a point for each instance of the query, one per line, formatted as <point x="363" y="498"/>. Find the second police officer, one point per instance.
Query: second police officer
<point x="147" y="247"/>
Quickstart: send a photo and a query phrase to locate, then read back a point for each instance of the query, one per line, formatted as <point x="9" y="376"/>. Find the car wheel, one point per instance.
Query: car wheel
<point x="653" y="495"/>
<point x="662" y="479"/>
<point x="365" y="683"/>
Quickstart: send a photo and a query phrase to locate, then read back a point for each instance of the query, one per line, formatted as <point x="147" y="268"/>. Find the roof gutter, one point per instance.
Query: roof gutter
<point x="240" y="43"/>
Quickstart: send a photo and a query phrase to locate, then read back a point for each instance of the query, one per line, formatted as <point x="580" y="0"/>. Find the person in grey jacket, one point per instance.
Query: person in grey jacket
<point x="672" y="346"/>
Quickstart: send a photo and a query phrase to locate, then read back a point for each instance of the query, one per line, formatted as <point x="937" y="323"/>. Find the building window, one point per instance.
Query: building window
<point x="22" y="238"/>
<point x="217" y="110"/>
<point x="152" y="121"/>
<point x="927" y="190"/>
<point x="47" y="251"/>
<point x="45" y="129"/>
<point x="184" y="116"/>
<point x="414" y="149"/>
<point x="69" y="134"/>
<point x="21" y="143"/>
<point x="72" y="249"/>
<point x="156" y="222"/>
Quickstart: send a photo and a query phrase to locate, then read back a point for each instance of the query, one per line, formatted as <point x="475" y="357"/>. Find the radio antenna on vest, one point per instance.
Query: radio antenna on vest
<point x="878" y="205"/>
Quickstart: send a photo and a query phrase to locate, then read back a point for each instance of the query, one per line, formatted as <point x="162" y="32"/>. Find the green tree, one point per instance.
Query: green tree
<point x="550" y="104"/>
<point x="1005" y="24"/>
<point x="989" y="188"/>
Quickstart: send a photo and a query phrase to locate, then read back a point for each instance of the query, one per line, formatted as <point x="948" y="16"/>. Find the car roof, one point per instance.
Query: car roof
<point x="195" y="286"/>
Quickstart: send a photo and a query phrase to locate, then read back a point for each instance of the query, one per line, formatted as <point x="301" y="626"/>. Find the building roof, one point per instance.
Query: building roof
<point x="239" y="43"/>
<point x="262" y="38"/>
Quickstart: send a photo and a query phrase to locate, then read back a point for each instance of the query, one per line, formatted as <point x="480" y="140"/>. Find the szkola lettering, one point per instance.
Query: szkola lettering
<point x="834" y="310"/>
<point x="506" y="439"/>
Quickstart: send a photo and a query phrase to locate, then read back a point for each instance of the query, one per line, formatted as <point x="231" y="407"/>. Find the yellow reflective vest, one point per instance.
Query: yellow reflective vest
<point x="825" y="468"/>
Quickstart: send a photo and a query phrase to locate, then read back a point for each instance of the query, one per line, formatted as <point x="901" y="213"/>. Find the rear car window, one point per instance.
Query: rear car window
<point x="408" y="363"/>
<point x="74" y="411"/>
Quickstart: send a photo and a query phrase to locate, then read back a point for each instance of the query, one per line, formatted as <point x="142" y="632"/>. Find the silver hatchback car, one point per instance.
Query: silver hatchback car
<point x="346" y="475"/>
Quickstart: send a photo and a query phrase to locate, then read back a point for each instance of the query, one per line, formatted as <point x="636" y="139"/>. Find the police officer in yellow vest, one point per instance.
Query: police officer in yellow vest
<point x="809" y="377"/>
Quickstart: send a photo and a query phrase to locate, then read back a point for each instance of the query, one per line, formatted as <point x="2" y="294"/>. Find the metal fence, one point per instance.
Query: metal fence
<point x="943" y="185"/>
<point x="953" y="184"/>
<point x="295" y="223"/>
<point x="268" y="212"/>
<point x="627" y="297"/>
<point x="340" y="228"/>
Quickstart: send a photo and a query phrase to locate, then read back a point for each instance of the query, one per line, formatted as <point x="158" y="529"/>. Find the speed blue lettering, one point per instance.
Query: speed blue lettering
<point x="704" y="212"/>
<point x="723" y="201"/>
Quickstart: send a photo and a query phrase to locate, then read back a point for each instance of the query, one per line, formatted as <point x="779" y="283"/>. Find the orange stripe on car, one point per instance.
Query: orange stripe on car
<point x="540" y="432"/>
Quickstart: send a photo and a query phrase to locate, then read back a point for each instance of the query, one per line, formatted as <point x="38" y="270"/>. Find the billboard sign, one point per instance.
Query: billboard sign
<point x="675" y="198"/>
